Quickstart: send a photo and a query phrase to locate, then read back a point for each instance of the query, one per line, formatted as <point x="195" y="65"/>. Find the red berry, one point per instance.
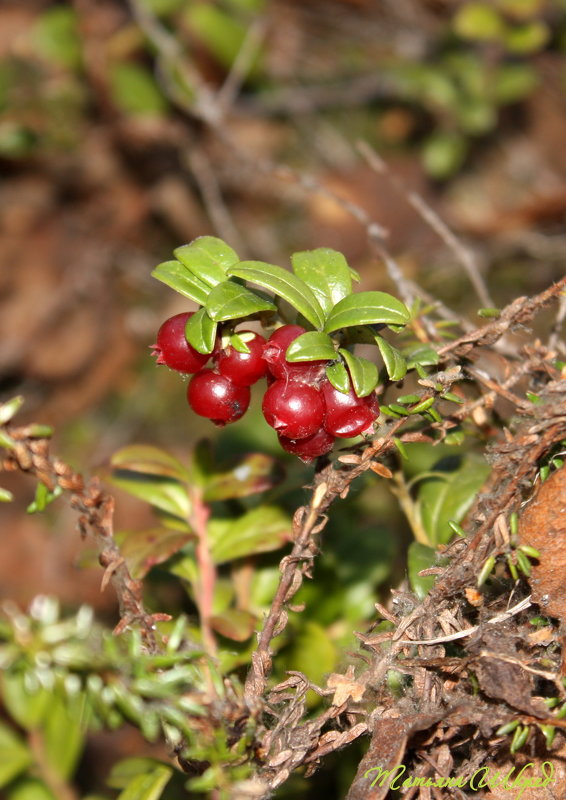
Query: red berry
<point x="172" y="348"/>
<point x="294" y="409"/>
<point x="347" y="414"/>
<point x="243" y="369"/>
<point x="274" y="354"/>
<point x="310" y="448"/>
<point x="215" y="397"/>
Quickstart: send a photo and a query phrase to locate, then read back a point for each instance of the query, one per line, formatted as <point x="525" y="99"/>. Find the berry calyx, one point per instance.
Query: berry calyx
<point x="215" y="397"/>
<point x="279" y="367"/>
<point x="310" y="448"/>
<point x="294" y="409"/>
<point x="172" y="348"/>
<point x="347" y="414"/>
<point x="243" y="369"/>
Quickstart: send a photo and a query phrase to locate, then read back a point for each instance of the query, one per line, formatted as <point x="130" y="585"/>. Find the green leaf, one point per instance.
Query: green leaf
<point x="284" y="284"/>
<point x="338" y="376"/>
<point x="5" y="496"/>
<point x="149" y="785"/>
<point x="26" y="705"/>
<point x="260" y="530"/>
<point x="134" y="90"/>
<point x="395" y="364"/>
<point x="9" y="409"/>
<point x="145" y="549"/>
<point x="164" y="493"/>
<point x="422" y="354"/>
<point x="367" y="308"/>
<point x="479" y="21"/>
<point x="311" y="346"/>
<point x="449" y="496"/>
<point x="363" y="373"/>
<point x="56" y="37"/>
<point x="150" y="460"/>
<point x="327" y="273"/>
<point x="253" y="474"/>
<point x="420" y="557"/>
<point x="230" y="300"/>
<point x="444" y="152"/>
<point x="6" y="441"/>
<point x="208" y="258"/>
<point x="312" y="652"/>
<point x="200" y="331"/>
<point x="30" y="789"/>
<point x="235" y="624"/>
<point x="64" y="732"/>
<point x="179" y="278"/>
<point x="14" y="755"/>
<point x="43" y="497"/>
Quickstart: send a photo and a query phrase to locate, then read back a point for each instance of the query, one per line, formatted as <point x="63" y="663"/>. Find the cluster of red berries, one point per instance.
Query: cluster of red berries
<point x="302" y="405"/>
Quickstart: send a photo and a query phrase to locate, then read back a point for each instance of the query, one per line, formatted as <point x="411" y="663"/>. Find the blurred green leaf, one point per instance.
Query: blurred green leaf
<point x="253" y="474"/>
<point x="64" y="732"/>
<point x="30" y="789"/>
<point x="311" y="346"/>
<point x="528" y="38"/>
<point x="219" y="31"/>
<point x="260" y="530"/>
<point x="231" y="300"/>
<point x="150" y="460"/>
<point x="326" y="272"/>
<point x="145" y="549"/>
<point x="178" y="277"/>
<point x="365" y="308"/>
<point x="5" y="496"/>
<point x="43" y="497"/>
<point x="479" y="21"/>
<point x="312" y="652"/>
<point x="444" y="152"/>
<point x="338" y="376"/>
<point x="395" y="364"/>
<point x="14" y="755"/>
<point x="147" y="778"/>
<point x="420" y="557"/>
<point x="10" y="409"/>
<point x="449" y="496"/>
<point x="513" y="82"/>
<point x="234" y="624"/>
<point x="26" y="705"/>
<point x="208" y="258"/>
<point x="363" y="373"/>
<point x="165" y="493"/>
<point x="56" y="36"/>
<point x="285" y="285"/>
<point x="134" y="90"/>
<point x="200" y="331"/>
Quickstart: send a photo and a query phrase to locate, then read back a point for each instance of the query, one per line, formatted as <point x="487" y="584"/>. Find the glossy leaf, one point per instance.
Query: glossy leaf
<point x="253" y="474"/>
<point x="363" y="373"/>
<point x="366" y="308"/>
<point x="235" y="624"/>
<point x="422" y="354"/>
<point x="150" y="460"/>
<point x="326" y="272"/>
<point x="338" y="376"/>
<point x="420" y="557"/>
<point x="449" y="497"/>
<point x="179" y="278"/>
<point x="14" y="755"/>
<point x="230" y="300"/>
<point x="200" y="331"/>
<point x="395" y="364"/>
<point x="311" y="346"/>
<point x="260" y="530"/>
<point x="285" y="285"/>
<point x="208" y="258"/>
<point x="145" y="549"/>
<point x="164" y="493"/>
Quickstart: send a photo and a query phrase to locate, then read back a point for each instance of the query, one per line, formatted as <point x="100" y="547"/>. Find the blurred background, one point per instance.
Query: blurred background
<point x="107" y="163"/>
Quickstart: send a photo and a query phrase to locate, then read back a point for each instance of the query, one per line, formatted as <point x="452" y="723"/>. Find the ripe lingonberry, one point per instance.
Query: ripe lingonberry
<point x="172" y="348"/>
<point x="274" y="354"/>
<point x="310" y="448"/>
<point x="294" y="409"/>
<point x="215" y="397"/>
<point x="347" y="414"/>
<point x="243" y="369"/>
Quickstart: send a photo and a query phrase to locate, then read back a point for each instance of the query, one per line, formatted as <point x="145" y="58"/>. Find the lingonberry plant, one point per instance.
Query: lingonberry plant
<point x="318" y="388"/>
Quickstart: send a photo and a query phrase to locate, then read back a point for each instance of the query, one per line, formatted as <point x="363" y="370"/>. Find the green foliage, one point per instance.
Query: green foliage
<point x="135" y="92"/>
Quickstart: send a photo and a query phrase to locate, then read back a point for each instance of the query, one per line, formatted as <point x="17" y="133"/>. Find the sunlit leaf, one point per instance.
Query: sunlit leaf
<point x="150" y="460"/>
<point x="148" y="785"/>
<point x="145" y="549"/>
<point x="178" y="277"/>
<point x="200" y="331"/>
<point x="395" y="364"/>
<point x="165" y="493"/>
<point x="208" y="258"/>
<point x="311" y="346"/>
<point x="33" y="789"/>
<point x="253" y="474"/>
<point x="363" y="373"/>
<point x="366" y="308"/>
<point x="326" y="272"/>
<point x="260" y="530"/>
<point x="10" y="408"/>
<point x="14" y="755"/>
<point x="284" y="284"/>
<point x="231" y="300"/>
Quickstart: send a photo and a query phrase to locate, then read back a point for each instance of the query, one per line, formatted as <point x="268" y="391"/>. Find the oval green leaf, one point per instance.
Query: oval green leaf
<point x="234" y="623"/>
<point x="207" y="258"/>
<point x="179" y="278"/>
<point x="150" y="460"/>
<point x="338" y="376"/>
<point x="395" y="364"/>
<point x="311" y="346"/>
<point x="260" y="530"/>
<point x="230" y="300"/>
<point x="367" y="308"/>
<point x="423" y="355"/>
<point x="164" y="493"/>
<point x="145" y="549"/>
<point x="363" y="373"/>
<point x="284" y="284"/>
<point x="326" y="272"/>
<point x="200" y="331"/>
<point x="10" y="408"/>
